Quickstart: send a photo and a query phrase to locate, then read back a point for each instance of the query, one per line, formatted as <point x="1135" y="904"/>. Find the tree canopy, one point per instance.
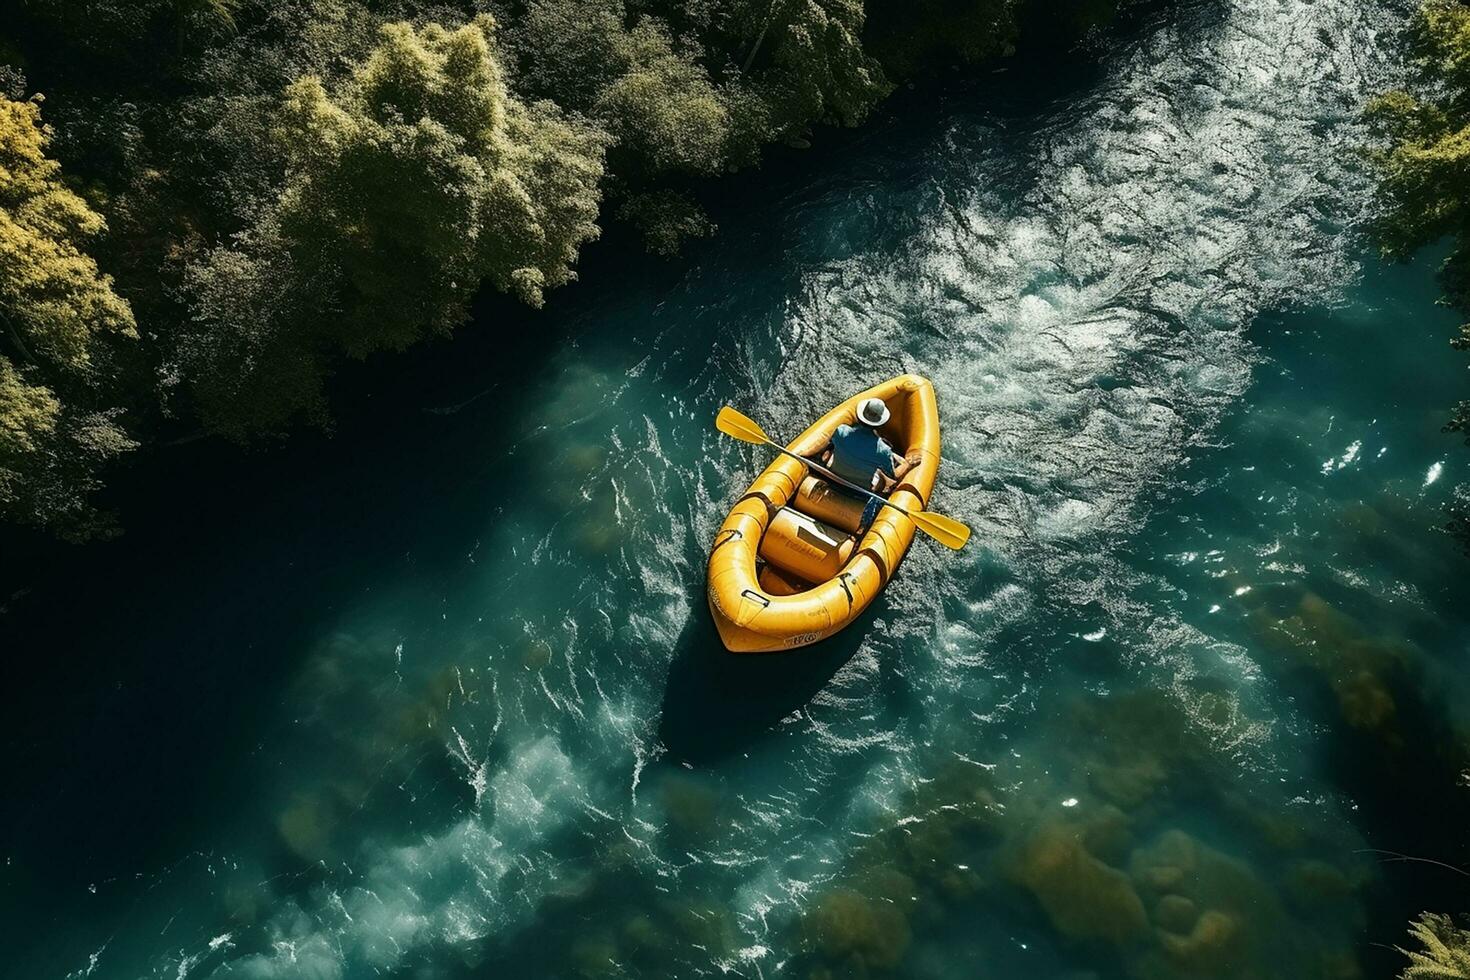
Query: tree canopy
<point x="278" y="185"/>
<point x="1423" y="157"/>
<point x="54" y="307"/>
<point x="406" y="185"/>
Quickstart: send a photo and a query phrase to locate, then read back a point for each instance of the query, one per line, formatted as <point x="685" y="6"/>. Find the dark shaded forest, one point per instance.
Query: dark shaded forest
<point x="208" y="205"/>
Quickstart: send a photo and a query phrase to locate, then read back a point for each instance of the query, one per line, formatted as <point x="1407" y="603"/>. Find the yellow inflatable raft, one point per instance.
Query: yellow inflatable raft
<point x="786" y="570"/>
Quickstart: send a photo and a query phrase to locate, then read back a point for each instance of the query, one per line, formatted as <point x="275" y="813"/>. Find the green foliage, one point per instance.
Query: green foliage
<point x="1445" y="952"/>
<point x="405" y="186"/>
<point x="289" y="182"/>
<point x="54" y="306"/>
<point x="52" y="295"/>
<point x="422" y="175"/>
<point x="216" y="14"/>
<point x="700" y="88"/>
<point x="666" y="219"/>
<point x="1423" y="156"/>
<point x="818" y="69"/>
<point x="663" y="107"/>
<point x="909" y="37"/>
<point x="28" y="416"/>
<point x="100" y="27"/>
<point x="637" y="82"/>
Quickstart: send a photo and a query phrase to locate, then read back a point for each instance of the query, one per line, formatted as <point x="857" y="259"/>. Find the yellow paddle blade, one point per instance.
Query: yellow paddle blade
<point x="946" y="530"/>
<point x="737" y="426"/>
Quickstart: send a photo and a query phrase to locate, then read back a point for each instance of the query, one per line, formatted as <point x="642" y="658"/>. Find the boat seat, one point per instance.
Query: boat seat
<point x="829" y="504"/>
<point x="806" y="547"/>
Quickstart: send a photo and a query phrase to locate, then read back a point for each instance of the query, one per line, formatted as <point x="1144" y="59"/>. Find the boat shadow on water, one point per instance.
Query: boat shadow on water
<point x="717" y="703"/>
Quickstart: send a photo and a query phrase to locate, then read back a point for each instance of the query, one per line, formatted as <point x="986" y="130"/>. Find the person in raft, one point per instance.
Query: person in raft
<point x="859" y="455"/>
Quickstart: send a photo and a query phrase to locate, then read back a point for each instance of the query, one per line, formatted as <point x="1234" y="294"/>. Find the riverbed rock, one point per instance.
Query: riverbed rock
<point x="599" y="534"/>
<point x="959" y="885"/>
<point x="1242" y="927"/>
<point x="857" y="931"/>
<point x="1282" y="830"/>
<point x="1361" y="670"/>
<point x="1135" y="745"/>
<point x="537" y="655"/>
<point x="1207" y="947"/>
<point x="594" y="955"/>
<point x="643" y="935"/>
<point x="890" y="885"/>
<point x="1083" y="897"/>
<point x="1129" y="784"/>
<point x="708" y="925"/>
<point x="1315" y="887"/>
<point x="690" y="803"/>
<point x="306" y="826"/>
<point x="948" y="826"/>
<point x="580" y="459"/>
<point x="1176" y="914"/>
<point x="1107" y="833"/>
<point x="1339" y="964"/>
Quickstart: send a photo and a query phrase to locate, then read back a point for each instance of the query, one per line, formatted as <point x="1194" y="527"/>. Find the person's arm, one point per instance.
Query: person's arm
<point x="901" y="465"/>
<point x="824" y="455"/>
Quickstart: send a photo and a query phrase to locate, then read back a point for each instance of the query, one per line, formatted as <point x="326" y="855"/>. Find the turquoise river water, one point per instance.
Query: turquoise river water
<point x="440" y="697"/>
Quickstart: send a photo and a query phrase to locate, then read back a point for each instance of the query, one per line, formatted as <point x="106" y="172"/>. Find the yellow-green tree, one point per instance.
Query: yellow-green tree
<point x="406" y="186"/>
<point x="662" y="105"/>
<point x="1443" y="953"/>
<point x="647" y="89"/>
<point x="55" y="305"/>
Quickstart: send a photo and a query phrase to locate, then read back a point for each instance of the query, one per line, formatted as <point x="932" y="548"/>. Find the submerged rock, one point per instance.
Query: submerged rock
<point x="644" y="935"/>
<point x="1214" y="916"/>
<point x="306" y="826"/>
<point x="1136" y="745"/>
<point x="710" y="927"/>
<point x="1315" y="887"/>
<point x="951" y="824"/>
<point x="537" y="655"/>
<point x="594" y="955"/>
<point x="1281" y="830"/>
<point x="691" y="804"/>
<point x="598" y="535"/>
<point x="1129" y="784"/>
<point x="1176" y="914"/>
<point x="1207" y="949"/>
<point x="857" y="931"/>
<point x="1362" y="670"/>
<point x="1083" y="897"/>
<point x="960" y="884"/>
<point x="1107" y="832"/>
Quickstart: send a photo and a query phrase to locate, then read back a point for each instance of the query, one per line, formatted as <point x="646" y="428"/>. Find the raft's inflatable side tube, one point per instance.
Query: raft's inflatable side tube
<point x="753" y="619"/>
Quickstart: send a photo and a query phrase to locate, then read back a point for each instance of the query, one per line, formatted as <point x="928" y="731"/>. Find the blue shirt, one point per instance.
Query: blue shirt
<point x="858" y="453"/>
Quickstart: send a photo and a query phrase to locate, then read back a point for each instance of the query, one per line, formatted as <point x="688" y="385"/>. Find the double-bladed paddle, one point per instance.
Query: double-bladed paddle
<point x="946" y="530"/>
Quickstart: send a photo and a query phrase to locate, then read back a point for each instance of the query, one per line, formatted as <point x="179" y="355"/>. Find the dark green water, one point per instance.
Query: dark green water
<point x="440" y="698"/>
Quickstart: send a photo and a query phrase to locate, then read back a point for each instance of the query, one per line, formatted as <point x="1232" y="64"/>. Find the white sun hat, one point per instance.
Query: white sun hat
<point x="872" y="412"/>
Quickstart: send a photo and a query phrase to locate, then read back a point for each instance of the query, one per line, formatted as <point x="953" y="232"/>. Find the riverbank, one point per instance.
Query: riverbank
<point x="172" y="486"/>
<point x="273" y="190"/>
